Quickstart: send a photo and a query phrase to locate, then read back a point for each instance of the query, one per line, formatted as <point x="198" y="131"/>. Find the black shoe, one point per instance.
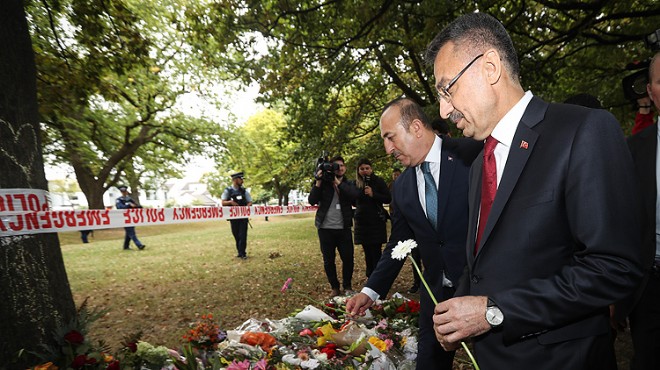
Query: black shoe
<point x="413" y="289"/>
<point x="141" y="247"/>
<point x="127" y="249"/>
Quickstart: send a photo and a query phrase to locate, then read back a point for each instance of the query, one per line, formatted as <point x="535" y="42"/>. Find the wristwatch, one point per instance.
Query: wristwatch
<point x="494" y="315"/>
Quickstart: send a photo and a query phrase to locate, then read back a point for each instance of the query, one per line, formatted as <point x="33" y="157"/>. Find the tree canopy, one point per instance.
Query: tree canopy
<point x="333" y="64"/>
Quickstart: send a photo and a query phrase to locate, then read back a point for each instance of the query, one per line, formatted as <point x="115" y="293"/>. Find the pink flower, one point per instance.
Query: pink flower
<point x="286" y="284"/>
<point x="261" y="365"/>
<point x="243" y="365"/>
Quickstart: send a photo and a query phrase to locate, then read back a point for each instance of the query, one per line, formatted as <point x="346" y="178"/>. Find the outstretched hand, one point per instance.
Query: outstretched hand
<point x="358" y="304"/>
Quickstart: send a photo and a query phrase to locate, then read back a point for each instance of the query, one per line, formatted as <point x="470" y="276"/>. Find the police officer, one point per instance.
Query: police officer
<point x="237" y="195"/>
<point x="125" y="202"/>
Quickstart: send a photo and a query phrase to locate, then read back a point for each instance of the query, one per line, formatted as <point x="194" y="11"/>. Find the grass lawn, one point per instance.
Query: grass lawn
<point x="188" y="270"/>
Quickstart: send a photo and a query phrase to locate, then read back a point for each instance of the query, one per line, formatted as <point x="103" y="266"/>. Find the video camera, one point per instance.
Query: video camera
<point x="327" y="168"/>
<point x="634" y="85"/>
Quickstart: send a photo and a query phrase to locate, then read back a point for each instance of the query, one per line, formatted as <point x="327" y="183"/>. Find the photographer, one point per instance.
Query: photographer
<point x="370" y="216"/>
<point x="126" y="202"/>
<point x="334" y="218"/>
<point x="237" y="195"/>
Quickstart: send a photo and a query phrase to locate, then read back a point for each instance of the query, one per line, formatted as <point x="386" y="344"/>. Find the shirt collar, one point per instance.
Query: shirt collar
<point x="433" y="155"/>
<point x="506" y="127"/>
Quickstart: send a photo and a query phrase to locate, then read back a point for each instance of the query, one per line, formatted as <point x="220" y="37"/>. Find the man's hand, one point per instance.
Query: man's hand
<point x="358" y="304"/>
<point x="460" y="318"/>
<point x="644" y="105"/>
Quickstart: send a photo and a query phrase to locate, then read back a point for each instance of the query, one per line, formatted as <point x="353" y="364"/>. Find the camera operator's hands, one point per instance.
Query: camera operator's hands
<point x="644" y="105"/>
<point x="368" y="191"/>
<point x="318" y="177"/>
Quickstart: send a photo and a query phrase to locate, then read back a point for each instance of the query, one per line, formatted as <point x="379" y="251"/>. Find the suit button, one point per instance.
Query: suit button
<point x="475" y="279"/>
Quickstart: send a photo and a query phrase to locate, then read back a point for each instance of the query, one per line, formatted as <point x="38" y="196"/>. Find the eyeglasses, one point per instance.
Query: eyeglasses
<point x="443" y="91"/>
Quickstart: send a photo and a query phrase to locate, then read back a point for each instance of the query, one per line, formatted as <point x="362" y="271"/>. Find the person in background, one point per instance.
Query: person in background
<point x="440" y="127"/>
<point x="370" y="216"/>
<point x="645" y="116"/>
<point x="645" y="316"/>
<point x="126" y="202"/>
<point x="335" y="195"/>
<point x="429" y="205"/>
<point x="585" y="100"/>
<point x="84" y="235"/>
<point x="237" y="195"/>
<point x="553" y="234"/>
<point x="395" y="175"/>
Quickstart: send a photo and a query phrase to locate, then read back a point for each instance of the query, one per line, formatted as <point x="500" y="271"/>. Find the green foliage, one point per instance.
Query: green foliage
<point x="333" y="65"/>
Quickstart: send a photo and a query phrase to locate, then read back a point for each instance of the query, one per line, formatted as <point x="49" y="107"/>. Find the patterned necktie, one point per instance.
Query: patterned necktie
<point x="488" y="187"/>
<point x="431" y="195"/>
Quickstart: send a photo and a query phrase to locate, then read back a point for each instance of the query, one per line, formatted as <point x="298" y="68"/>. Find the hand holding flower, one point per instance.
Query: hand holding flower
<point x="460" y="318"/>
<point x="451" y="342"/>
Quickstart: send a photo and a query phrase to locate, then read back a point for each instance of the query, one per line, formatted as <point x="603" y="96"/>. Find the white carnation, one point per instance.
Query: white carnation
<point x="403" y="248"/>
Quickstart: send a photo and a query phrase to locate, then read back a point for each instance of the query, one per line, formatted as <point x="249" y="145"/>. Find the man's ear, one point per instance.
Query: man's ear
<point x="493" y="66"/>
<point x="416" y="127"/>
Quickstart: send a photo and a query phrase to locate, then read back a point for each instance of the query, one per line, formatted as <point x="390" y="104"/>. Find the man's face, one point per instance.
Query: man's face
<point x="341" y="170"/>
<point x="653" y="87"/>
<point x="395" y="175"/>
<point x="238" y="181"/>
<point x="467" y="108"/>
<point x="398" y="142"/>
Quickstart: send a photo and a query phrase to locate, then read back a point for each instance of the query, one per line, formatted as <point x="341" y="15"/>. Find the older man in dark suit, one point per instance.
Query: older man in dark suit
<point x="553" y="235"/>
<point x="429" y="207"/>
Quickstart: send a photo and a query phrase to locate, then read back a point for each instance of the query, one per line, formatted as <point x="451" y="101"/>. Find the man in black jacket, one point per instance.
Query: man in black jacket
<point x="334" y="219"/>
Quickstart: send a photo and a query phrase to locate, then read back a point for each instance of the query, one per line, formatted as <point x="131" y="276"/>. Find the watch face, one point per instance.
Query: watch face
<point x="494" y="316"/>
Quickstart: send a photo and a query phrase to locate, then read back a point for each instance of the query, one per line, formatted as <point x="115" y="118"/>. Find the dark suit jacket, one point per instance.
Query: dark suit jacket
<point x="441" y="250"/>
<point x="560" y="243"/>
<point x="643" y="147"/>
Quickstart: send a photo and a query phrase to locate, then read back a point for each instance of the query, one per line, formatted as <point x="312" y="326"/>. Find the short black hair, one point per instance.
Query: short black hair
<point x="474" y="33"/>
<point x="440" y="125"/>
<point x="409" y="110"/>
<point x="337" y="158"/>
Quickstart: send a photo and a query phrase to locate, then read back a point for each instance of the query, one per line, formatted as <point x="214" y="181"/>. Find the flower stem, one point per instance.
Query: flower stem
<point x="435" y="302"/>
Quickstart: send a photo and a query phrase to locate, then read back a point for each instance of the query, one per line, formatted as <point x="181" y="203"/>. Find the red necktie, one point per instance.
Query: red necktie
<point x="488" y="186"/>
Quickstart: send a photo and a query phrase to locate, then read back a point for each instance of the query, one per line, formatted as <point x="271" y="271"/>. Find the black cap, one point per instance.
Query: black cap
<point x="122" y="188"/>
<point x="237" y="175"/>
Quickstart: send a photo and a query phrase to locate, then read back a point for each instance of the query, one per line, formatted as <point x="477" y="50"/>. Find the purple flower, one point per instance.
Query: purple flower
<point x="243" y="365"/>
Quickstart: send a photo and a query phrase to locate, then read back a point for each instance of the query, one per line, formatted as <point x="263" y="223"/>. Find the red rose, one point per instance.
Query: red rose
<point x="114" y="365"/>
<point x="329" y="350"/>
<point x="74" y="337"/>
<point x="79" y="362"/>
<point x="132" y="346"/>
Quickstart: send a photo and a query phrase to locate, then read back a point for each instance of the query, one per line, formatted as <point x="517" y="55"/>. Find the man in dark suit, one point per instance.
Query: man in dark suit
<point x="553" y="233"/>
<point x="645" y="316"/>
<point x="408" y="136"/>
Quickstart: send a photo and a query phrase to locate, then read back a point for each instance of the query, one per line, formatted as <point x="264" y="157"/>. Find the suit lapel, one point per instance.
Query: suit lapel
<point x="474" y="199"/>
<point x="522" y="147"/>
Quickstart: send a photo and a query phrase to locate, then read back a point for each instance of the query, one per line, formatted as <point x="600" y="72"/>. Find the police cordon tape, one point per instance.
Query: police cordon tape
<point x="27" y="211"/>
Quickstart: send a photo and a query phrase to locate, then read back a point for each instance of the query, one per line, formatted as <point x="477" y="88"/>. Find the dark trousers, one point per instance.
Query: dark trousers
<point x="239" y="229"/>
<point x="130" y="235"/>
<point x="372" y="253"/>
<point x="645" y="326"/>
<point x="342" y="240"/>
<point x="84" y="234"/>
<point x="430" y="354"/>
<point x="418" y="259"/>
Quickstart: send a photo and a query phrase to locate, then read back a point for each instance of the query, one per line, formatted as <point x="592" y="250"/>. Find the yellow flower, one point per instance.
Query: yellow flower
<point x="381" y="345"/>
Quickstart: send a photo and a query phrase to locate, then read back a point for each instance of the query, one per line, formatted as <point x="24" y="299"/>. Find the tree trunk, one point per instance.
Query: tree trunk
<point x="36" y="297"/>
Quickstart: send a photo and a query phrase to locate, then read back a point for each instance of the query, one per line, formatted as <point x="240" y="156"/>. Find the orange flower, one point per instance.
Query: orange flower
<point x="46" y="366"/>
<point x="264" y="340"/>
